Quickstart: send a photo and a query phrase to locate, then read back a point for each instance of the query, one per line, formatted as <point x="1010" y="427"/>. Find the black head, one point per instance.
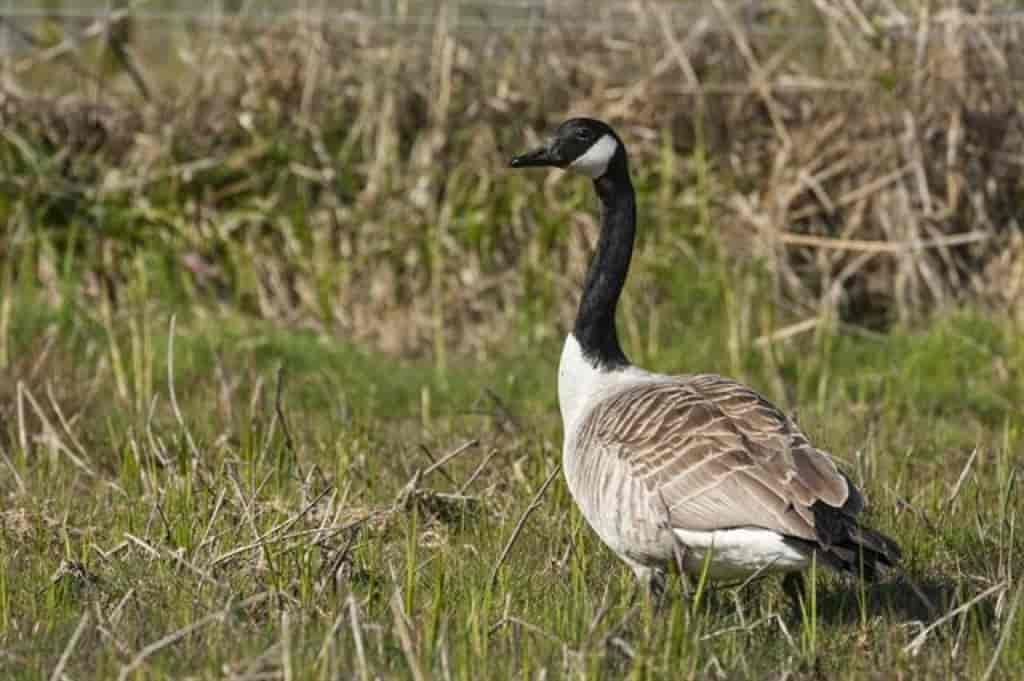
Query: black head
<point x="584" y="145"/>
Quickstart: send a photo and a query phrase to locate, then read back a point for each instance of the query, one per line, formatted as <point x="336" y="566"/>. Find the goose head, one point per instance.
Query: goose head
<point x="583" y="145"/>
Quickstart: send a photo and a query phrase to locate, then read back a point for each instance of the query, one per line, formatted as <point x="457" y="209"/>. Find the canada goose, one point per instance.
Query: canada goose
<point x="668" y="468"/>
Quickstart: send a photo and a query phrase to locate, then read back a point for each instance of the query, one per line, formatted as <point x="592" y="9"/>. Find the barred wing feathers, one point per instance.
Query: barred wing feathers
<point x="717" y="455"/>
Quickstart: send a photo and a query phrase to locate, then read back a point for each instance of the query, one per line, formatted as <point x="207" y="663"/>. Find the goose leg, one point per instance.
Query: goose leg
<point x="653" y="581"/>
<point x="794" y="587"/>
<point x="656" y="585"/>
<point x="680" y="551"/>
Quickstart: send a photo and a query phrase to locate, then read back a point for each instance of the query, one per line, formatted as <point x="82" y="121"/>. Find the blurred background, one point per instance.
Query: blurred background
<point x="222" y="219"/>
<point x="341" y="166"/>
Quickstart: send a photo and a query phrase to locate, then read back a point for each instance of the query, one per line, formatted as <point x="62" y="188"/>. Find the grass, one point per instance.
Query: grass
<point x="242" y="332"/>
<point x="294" y="536"/>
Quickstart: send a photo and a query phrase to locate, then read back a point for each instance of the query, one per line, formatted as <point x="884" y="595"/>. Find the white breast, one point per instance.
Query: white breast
<point x="581" y="384"/>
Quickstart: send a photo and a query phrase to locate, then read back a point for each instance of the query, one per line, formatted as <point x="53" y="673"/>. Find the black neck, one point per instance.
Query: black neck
<point x="595" y="320"/>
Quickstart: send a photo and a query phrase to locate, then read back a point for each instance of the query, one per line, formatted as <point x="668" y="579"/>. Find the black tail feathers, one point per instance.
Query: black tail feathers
<point x="849" y="546"/>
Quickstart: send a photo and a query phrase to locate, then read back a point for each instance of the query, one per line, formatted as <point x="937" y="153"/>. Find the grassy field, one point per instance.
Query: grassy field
<point x="308" y="531"/>
<point x="278" y="354"/>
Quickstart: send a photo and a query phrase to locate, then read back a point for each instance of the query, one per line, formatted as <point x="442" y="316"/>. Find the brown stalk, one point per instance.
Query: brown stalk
<point x="533" y="506"/>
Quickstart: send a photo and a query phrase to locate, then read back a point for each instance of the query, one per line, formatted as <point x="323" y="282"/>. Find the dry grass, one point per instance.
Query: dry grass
<point x="327" y="173"/>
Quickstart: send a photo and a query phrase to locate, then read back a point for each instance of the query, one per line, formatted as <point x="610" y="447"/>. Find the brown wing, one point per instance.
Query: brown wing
<point x="719" y="455"/>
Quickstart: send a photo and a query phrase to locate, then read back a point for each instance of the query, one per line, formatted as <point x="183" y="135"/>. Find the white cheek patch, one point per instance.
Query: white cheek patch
<point x="595" y="162"/>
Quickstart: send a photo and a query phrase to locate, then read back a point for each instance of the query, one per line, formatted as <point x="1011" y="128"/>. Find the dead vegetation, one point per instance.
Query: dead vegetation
<point x="344" y="175"/>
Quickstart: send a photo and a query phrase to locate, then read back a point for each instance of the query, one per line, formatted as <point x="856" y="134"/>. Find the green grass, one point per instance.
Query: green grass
<point x="136" y="525"/>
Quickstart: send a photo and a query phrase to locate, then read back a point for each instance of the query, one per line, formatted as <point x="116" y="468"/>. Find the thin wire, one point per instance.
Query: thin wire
<point x="469" y="15"/>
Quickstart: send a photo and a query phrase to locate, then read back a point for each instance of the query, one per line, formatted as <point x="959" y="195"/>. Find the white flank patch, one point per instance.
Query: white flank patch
<point x="740" y="552"/>
<point x="595" y="162"/>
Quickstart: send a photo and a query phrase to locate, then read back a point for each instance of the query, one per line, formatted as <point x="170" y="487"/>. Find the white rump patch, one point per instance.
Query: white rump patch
<point x="740" y="552"/>
<point x="595" y="162"/>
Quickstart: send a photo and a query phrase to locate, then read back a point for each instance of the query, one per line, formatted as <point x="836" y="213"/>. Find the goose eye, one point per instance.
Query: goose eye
<point x="583" y="134"/>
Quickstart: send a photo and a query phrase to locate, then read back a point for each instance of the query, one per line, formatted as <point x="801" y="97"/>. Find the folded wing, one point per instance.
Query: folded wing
<point x="717" y="455"/>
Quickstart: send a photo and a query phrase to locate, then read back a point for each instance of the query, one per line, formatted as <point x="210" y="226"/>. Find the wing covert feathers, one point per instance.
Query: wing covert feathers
<point x="717" y="455"/>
